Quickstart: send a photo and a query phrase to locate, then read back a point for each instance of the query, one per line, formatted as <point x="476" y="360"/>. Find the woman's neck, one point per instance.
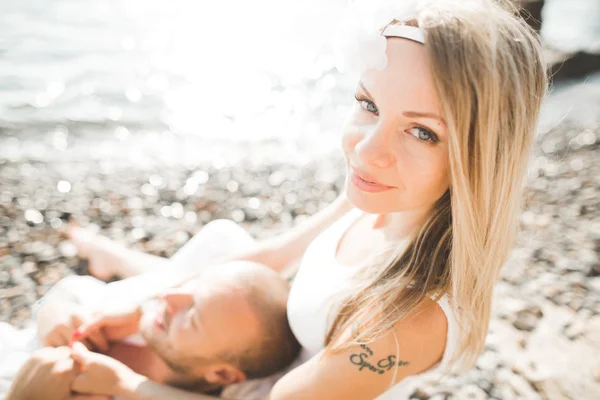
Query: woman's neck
<point x="398" y="225"/>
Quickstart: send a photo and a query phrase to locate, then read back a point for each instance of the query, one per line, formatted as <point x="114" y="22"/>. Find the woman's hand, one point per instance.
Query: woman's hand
<point x="114" y="325"/>
<point x="57" y="321"/>
<point x="101" y="375"/>
<point x="47" y="375"/>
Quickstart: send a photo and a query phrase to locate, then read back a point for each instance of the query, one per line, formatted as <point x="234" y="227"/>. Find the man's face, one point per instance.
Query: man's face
<point x="193" y="326"/>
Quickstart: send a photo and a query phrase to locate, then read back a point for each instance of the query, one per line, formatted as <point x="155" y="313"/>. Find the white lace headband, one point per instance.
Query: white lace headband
<point x="362" y="47"/>
<point x="362" y="32"/>
<point x="404" y="31"/>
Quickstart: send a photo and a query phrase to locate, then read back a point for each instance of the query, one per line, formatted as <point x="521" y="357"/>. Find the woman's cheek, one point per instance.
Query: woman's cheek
<point x="430" y="177"/>
<point x="348" y="140"/>
<point x="355" y="131"/>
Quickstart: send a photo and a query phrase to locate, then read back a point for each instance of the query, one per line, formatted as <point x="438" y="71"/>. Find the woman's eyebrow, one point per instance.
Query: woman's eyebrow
<point x="364" y="89"/>
<point x="410" y="114"/>
<point x="415" y="114"/>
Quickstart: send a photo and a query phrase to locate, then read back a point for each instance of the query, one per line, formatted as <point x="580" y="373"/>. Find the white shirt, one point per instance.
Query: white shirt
<point x="312" y="302"/>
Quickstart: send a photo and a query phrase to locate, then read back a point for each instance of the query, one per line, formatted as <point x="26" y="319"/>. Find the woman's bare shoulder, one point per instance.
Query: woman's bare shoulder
<point x="365" y="371"/>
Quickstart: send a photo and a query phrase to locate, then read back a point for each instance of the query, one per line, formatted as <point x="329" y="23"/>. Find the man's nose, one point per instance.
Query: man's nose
<point x="177" y="300"/>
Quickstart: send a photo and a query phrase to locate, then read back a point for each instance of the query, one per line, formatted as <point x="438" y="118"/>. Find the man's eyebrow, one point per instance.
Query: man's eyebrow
<point x="196" y="319"/>
<point x="197" y="315"/>
<point x="410" y="114"/>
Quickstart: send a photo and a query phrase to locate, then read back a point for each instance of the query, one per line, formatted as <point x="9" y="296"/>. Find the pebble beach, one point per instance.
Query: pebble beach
<point x="544" y="339"/>
<point x="123" y="172"/>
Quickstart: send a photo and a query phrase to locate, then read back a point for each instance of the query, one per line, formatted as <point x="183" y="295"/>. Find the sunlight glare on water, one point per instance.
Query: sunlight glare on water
<point x="237" y="67"/>
<point x="121" y="73"/>
<point x="182" y="80"/>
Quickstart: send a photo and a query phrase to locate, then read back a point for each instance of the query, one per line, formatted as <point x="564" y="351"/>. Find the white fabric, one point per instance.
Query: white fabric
<point x="404" y="31"/>
<point x="15" y="347"/>
<point x="312" y="302"/>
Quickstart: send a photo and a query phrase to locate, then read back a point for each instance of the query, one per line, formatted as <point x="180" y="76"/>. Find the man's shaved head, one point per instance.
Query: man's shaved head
<point x="266" y="292"/>
<point x="229" y="324"/>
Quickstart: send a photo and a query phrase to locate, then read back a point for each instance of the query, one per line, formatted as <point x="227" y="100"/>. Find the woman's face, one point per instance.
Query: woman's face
<point x="396" y="136"/>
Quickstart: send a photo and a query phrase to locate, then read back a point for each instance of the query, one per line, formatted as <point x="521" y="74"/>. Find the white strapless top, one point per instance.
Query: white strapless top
<point x="312" y="299"/>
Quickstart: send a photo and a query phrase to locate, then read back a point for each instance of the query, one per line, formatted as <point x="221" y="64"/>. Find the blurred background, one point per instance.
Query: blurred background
<point x="147" y="119"/>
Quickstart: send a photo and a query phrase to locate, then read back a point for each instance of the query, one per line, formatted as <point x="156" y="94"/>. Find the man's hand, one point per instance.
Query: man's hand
<point x="101" y="375"/>
<point x="114" y="325"/>
<point x="57" y="321"/>
<point x="47" y="375"/>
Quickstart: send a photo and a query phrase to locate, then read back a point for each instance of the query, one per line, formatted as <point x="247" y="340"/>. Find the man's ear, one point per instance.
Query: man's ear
<point x="224" y="374"/>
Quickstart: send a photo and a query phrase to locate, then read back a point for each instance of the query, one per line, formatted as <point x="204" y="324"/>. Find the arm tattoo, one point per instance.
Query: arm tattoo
<point x="366" y="358"/>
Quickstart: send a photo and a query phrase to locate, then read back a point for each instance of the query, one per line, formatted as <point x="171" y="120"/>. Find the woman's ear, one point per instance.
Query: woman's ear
<point x="224" y="374"/>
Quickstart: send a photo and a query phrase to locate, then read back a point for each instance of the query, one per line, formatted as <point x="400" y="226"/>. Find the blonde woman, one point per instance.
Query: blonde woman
<point x="395" y="278"/>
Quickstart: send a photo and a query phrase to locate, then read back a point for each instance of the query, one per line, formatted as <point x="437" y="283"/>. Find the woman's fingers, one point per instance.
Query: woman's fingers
<point x="96" y="325"/>
<point x="90" y="327"/>
<point x="114" y="326"/>
<point x="98" y="341"/>
<point x="60" y="337"/>
<point x="92" y="338"/>
<point x="92" y="330"/>
<point x="79" y="354"/>
<point x="54" y="340"/>
<point x="88" y="345"/>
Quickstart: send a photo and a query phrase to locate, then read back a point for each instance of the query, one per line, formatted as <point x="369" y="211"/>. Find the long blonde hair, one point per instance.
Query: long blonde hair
<point x="490" y="78"/>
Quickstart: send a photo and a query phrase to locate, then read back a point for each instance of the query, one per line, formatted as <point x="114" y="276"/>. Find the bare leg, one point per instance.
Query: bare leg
<point x="107" y="257"/>
<point x="214" y="241"/>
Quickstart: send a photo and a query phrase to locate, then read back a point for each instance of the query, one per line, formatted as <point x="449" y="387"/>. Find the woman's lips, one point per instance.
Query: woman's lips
<point x="367" y="186"/>
<point x="368" y="178"/>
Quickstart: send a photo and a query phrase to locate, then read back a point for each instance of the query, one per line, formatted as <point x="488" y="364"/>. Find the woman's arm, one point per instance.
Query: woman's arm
<point x="275" y="252"/>
<point x="279" y="251"/>
<point x="289" y="246"/>
<point x="366" y="371"/>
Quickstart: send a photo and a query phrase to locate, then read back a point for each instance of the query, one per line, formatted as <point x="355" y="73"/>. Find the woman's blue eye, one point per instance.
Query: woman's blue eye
<point x="424" y="134"/>
<point x="367" y="105"/>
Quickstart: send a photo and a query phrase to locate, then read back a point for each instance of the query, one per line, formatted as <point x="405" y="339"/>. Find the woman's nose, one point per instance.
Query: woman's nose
<point x="374" y="148"/>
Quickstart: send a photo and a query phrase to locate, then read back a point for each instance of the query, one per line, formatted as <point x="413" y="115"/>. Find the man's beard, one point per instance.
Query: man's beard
<point x="183" y="369"/>
<point x="184" y="379"/>
<point x="164" y="351"/>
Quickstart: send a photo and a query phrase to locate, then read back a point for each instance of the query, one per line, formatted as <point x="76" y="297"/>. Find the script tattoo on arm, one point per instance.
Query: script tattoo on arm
<point x="366" y="359"/>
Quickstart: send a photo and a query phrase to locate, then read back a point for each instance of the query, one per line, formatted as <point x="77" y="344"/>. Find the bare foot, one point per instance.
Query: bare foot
<point x="101" y="252"/>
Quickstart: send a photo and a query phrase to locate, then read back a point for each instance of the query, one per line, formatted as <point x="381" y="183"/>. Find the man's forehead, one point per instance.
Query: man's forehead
<point x="224" y="314"/>
<point x="217" y="286"/>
